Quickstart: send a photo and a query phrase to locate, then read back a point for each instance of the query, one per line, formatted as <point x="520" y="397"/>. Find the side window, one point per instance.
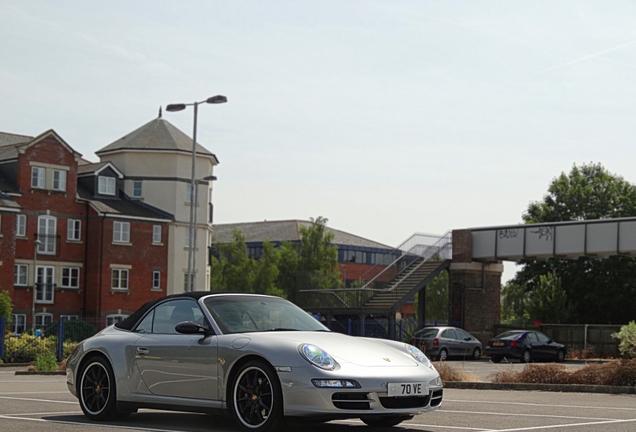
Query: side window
<point x="171" y="313"/>
<point x="532" y="337"/>
<point x="463" y="335"/>
<point x="542" y="338"/>
<point x="145" y="326"/>
<point x="449" y="334"/>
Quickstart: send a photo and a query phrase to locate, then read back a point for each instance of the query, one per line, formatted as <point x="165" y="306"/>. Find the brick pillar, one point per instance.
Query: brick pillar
<point x="474" y="290"/>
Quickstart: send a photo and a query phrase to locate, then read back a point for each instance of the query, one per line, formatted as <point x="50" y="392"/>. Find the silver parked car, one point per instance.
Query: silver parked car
<point x="444" y="342"/>
<point x="259" y="358"/>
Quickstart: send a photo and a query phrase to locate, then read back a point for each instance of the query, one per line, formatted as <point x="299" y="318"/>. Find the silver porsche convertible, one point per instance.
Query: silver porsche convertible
<point x="259" y="358"/>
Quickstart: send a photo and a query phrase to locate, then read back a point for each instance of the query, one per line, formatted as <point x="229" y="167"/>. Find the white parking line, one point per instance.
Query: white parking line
<point x="541" y="405"/>
<point x="561" y="426"/>
<point x="35" y="392"/>
<point x="43" y="413"/>
<point x="415" y="425"/>
<point x="526" y="415"/>
<point x="101" y="425"/>
<point x="38" y="400"/>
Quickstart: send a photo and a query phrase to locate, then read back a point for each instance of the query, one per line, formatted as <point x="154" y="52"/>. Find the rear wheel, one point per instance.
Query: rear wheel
<point x="560" y="357"/>
<point x="443" y="355"/>
<point x="495" y="359"/>
<point x="97" y="391"/>
<point x="385" y="421"/>
<point x="256" y="399"/>
<point x="476" y="353"/>
<point x="526" y="356"/>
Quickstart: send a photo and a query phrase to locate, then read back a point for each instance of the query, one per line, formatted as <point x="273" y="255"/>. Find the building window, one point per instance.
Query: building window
<point x="112" y="319"/>
<point x="106" y="185"/>
<point x="43" y="319"/>
<point x="46" y="234"/>
<point x="19" y="323"/>
<point x="70" y="277"/>
<point x="156" y="280"/>
<point x="20" y="226"/>
<point x="136" y="190"/>
<point x="121" y="232"/>
<point x="189" y="193"/>
<point x="188" y="243"/>
<point x="187" y="283"/>
<point x="20" y="275"/>
<point x="59" y="180"/>
<point x="69" y="317"/>
<point x="156" y="233"/>
<point x="120" y="279"/>
<point x="38" y="177"/>
<point x="45" y="287"/>
<point x="74" y="229"/>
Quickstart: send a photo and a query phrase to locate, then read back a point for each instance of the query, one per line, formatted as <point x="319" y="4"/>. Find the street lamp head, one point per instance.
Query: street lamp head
<point x="218" y="99"/>
<point x="37" y="242"/>
<point x="175" y="107"/>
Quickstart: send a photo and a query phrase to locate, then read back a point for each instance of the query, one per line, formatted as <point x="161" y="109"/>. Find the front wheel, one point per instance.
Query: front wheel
<point x="385" y="421"/>
<point x="256" y="399"/>
<point x="476" y="354"/>
<point x="560" y="356"/>
<point x="97" y="391"/>
<point x="443" y="355"/>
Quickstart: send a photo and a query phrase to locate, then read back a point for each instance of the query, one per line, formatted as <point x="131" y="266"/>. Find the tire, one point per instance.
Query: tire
<point x="385" y="421"/>
<point x="526" y="356"/>
<point x="476" y="354"/>
<point x="560" y="357"/>
<point x="443" y="355"/>
<point x="255" y="398"/>
<point x="97" y="391"/>
<point x="495" y="359"/>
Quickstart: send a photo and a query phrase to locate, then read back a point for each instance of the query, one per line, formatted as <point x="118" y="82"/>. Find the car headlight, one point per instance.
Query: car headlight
<point x="317" y="357"/>
<point x="419" y="356"/>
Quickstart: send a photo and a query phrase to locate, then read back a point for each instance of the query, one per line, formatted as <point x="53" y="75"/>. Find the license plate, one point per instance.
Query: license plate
<point x="408" y="389"/>
<point x="497" y="344"/>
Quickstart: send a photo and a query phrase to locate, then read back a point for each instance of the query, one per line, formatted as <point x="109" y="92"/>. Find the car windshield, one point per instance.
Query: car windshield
<point x="508" y="335"/>
<point x="244" y="313"/>
<point x="427" y="333"/>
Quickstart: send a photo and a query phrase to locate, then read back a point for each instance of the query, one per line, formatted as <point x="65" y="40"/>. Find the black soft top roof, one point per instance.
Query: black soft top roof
<point x="132" y="319"/>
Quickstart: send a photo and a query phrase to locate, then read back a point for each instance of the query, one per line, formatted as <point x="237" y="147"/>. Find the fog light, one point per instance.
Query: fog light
<point x="327" y="383"/>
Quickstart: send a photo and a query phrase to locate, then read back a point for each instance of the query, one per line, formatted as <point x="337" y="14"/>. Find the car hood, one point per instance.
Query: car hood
<point x="360" y="351"/>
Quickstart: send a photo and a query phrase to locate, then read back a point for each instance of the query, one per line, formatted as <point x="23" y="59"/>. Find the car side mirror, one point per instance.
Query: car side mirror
<point x="467" y="338"/>
<point x="550" y="341"/>
<point x="192" y="327"/>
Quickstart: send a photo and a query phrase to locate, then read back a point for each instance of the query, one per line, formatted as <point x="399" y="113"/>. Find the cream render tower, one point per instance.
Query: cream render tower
<point x="156" y="160"/>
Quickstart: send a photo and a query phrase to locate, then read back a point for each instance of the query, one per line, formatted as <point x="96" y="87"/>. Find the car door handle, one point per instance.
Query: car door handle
<point x="143" y="351"/>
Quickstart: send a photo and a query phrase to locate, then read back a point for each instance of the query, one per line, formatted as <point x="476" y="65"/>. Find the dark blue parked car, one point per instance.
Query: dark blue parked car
<point x="524" y="345"/>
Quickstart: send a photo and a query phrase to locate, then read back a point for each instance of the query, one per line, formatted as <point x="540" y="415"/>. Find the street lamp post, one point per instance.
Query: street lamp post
<point x="191" y="228"/>
<point x="36" y="244"/>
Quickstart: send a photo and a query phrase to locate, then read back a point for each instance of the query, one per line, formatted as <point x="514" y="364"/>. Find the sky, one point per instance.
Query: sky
<point x="385" y="117"/>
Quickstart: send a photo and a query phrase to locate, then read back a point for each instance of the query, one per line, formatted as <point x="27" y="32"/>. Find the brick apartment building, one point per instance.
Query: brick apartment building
<point x="95" y="251"/>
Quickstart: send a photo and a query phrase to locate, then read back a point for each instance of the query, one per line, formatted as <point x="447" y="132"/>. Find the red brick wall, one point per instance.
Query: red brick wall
<point x="7" y="251"/>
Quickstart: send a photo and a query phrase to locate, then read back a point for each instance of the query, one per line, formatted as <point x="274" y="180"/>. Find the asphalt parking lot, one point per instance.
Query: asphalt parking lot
<point x="42" y="403"/>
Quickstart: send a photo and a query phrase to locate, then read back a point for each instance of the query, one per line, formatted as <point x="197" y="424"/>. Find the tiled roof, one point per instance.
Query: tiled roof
<point x="156" y="135"/>
<point x="90" y="168"/>
<point x="288" y="230"/>
<point x="123" y="206"/>
<point x="10" y="139"/>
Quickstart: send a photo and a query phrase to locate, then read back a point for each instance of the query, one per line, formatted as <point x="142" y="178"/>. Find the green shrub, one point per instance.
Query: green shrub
<point x="26" y="348"/>
<point x="627" y="336"/>
<point x="46" y="362"/>
<point x="77" y="331"/>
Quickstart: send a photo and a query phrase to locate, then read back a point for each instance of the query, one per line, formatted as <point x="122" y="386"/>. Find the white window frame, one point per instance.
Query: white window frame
<point x="188" y="241"/>
<point x="70" y="275"/>
<point x="59" y="180"/>
<point x="156" y="233"/>
<point x="20" y="225"/>
<point x="20" y="278"/>
<point x="106" y="185"/>
<point x="189" y="197"/>
<point x="19" y="323"/>
<point x="121" y="232"/>
<point x="47" y="231"/>
<point x="43" y="319"/>
<point x="137" y="189"/>
<point x="156" y="280"/>
<point x="69" y="317"/>
<point x="38" y="177"/>
<point x="74" y="230"/>
<point x="115" y="318"/>
<point x="45" y="291"/>
<point x="120" y="279"/>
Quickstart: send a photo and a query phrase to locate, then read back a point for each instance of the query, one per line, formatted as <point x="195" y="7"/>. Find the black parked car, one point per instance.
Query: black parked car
<point x="524" y="345"/>
<point x="444" y="342"/>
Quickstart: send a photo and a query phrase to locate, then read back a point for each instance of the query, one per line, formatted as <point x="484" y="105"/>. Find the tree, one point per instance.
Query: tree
<point x="437" y="298"/>
<point x="5" y="306"/>
<point x="600" y="291"/>
<point x="514" y="303"/>
<point x="232" y="270"/>
<point x="549" y="302"/>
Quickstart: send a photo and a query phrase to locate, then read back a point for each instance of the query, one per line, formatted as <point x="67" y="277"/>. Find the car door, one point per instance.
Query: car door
<point x="449" y="340"/>
<point x="467" y="342"/>
<point x="535" y="346"/>
<point x="548" y="347"/>
<point x="173" y="364"/>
